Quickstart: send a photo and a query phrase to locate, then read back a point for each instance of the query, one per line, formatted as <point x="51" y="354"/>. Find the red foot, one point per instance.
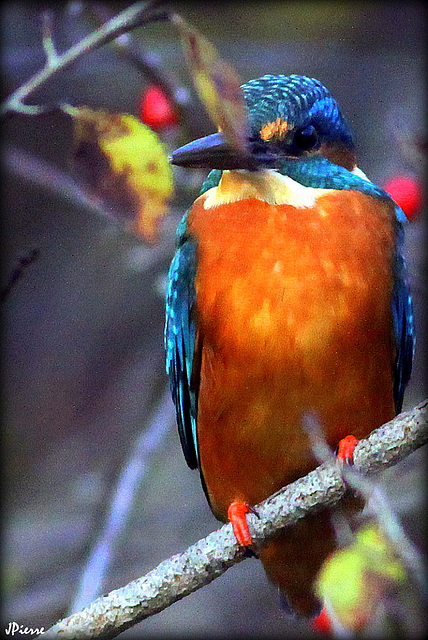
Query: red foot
<point x="236" y="514"/>
<point x="345" y="450"/>
<point x="322" y="622"/>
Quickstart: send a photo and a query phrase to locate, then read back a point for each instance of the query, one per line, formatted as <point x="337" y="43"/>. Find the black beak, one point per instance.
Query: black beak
<point x="212" y="152"/>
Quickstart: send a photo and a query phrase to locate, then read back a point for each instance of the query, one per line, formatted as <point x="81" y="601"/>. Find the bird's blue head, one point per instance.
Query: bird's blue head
<point x="289" y="117"/>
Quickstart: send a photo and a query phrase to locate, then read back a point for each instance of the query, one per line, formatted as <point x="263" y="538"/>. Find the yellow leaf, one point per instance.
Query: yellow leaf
<point x="124" y="162"/>
<point x="354" y="580"/>
<point x="217" y="83"/>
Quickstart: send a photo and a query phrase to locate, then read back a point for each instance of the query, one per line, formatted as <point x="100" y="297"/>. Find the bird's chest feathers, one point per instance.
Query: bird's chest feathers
<point x="285" y="270"/>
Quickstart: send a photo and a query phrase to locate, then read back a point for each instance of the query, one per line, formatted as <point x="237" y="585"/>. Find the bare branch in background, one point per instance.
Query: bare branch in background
<point x="131" y="476"/>
<point x="22" y="263"/>
<point x="209" y="558"/>
<point x="45" y="175"/>
<point x="134" y="16"/>
<point x="47" y="38"/>
<point x="152" y="68"/>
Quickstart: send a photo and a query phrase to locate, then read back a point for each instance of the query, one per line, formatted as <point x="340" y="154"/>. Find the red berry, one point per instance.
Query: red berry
<point x="322" y="622"/>
<point x="156" y="110"/>
<point x="407" y="193"/>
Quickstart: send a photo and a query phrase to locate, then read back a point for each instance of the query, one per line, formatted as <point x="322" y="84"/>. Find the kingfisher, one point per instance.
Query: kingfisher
<point x="287" y="296"/>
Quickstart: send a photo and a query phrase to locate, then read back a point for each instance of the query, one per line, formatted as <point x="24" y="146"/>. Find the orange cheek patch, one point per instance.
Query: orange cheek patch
<point x="276" y="130"/>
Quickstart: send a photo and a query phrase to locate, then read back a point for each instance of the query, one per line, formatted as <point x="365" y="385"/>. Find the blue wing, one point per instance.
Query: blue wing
<point x="402" y="309"/>
<point x="180" y="337"/>
<point x="182" y="350"/>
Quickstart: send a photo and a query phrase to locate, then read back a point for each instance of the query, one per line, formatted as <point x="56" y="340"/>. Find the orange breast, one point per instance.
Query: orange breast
<point x="294" y="313"/>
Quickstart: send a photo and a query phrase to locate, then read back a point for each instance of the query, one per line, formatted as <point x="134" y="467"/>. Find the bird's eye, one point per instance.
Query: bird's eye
<point x="306" y="138"/>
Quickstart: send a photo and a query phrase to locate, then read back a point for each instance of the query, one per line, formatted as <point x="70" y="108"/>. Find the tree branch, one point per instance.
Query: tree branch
<point x="209" y="558"/>
<point x="132" y="17"/>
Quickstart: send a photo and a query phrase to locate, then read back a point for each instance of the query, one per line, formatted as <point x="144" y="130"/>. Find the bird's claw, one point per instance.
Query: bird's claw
<point x="345" y="450"/>
<point x="236" y="513"/>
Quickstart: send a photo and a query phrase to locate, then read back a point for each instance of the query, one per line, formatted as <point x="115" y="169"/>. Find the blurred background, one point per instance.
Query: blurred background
<point x="83" y="360"/>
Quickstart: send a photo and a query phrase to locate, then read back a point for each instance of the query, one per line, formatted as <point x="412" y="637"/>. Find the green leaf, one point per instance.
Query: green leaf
<point x="354" y="580"/>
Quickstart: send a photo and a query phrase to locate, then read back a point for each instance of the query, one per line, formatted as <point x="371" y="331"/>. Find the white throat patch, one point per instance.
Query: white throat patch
<point x="266" y="184"/>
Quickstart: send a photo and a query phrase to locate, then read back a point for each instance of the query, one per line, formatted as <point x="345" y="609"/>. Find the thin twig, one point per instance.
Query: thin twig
<point x="209" y="558"/>
<point x="150" y="67"/>
<point x="22" y="263"/>
<point x="134" y="16"/>
<point x="47" y="38"/>
<point x="41" y="174"/>
<point x="130" y="479"/>
<point x="46" y="176"/>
